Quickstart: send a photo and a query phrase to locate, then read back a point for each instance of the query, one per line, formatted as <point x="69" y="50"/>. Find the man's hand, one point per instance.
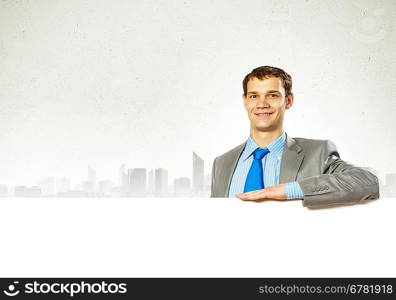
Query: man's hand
<point x="274" y="192"/>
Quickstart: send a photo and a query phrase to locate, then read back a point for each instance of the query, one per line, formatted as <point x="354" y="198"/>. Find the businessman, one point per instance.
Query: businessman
<point x="271" y="165"/>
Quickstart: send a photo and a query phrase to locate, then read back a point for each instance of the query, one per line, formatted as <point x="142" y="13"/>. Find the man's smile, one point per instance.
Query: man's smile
<point x="263" y="115"/>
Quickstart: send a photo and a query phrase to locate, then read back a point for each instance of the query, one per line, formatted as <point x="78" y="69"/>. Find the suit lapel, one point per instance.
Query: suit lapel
<point x="229" y="167"/>
<point x="292" y="158"/>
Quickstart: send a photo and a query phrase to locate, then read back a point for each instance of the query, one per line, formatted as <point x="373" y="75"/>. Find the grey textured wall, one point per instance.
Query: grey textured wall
<point x="147" y="82"/>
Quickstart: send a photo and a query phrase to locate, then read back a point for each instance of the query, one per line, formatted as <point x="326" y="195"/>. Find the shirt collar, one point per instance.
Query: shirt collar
<point x="275" y="148"/>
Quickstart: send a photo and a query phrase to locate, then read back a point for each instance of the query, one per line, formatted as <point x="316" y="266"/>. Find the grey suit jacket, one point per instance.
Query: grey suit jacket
<point x="324" y="178"/>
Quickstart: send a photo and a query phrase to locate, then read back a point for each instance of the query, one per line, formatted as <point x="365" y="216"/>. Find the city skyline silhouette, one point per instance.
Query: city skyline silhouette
<point x="132" y="182"/>
<point x="141" y="182"/>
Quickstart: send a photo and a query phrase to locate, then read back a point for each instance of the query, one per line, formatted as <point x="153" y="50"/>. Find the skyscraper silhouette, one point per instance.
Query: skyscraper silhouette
<point x="3" y="190"/>
<point x="198" y="173"/>
<point x="137" y="178"/>
<point x="161" y="182"/>
<point x="182" y="187"/>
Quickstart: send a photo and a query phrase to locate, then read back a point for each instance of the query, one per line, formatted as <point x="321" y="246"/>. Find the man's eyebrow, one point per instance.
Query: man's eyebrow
<point x="270" y="91"/>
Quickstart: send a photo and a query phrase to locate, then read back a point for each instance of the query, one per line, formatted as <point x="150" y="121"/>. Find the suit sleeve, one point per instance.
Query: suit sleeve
<point x="339" y="183"/>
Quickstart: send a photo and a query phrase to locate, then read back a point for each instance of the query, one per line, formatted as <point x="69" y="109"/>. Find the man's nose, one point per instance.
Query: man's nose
<point x="262" y="102"/>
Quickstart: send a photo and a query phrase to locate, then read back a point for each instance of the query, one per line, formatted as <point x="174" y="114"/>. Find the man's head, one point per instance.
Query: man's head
<point x="267" y="93"/>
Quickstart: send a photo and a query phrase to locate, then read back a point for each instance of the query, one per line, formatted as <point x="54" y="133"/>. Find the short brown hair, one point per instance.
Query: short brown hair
<point x="268" y="71"/>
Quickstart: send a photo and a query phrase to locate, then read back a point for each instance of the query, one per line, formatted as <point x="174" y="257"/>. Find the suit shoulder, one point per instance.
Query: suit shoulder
<point x="314" y="145"/>
<point x="312" y="142"/>
<point x="231" y="152"/>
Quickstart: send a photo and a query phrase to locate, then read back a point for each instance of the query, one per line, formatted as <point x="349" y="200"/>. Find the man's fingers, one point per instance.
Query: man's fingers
<point x="253" y="195"/>
<point x="248" y="194"/>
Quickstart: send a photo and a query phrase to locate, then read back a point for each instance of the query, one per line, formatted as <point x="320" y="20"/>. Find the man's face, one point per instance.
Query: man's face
<point x="266" y="102"/>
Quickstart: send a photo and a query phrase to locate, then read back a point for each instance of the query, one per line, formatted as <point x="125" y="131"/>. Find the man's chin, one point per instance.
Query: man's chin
<point x="264" y="127"/>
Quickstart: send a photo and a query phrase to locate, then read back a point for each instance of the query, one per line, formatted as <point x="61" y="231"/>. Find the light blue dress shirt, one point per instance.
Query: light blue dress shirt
<point x="271" y="168"/>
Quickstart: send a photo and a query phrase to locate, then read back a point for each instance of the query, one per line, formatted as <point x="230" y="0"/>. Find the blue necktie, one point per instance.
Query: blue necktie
<point x="254" y="179"/>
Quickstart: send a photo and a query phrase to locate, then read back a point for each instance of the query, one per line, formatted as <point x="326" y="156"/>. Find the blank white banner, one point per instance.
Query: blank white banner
<point x="128" y="237"/>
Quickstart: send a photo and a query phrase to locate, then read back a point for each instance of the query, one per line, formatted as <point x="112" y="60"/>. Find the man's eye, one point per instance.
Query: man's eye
<point x="252" y="96"/>
<point x="273" y="95"/>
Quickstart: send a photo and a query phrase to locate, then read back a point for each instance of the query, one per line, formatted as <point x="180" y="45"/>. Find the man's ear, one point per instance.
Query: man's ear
<point x="289" y="100"/>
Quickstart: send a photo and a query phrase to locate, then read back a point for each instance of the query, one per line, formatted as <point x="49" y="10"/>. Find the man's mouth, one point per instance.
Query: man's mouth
<point x="263" y="115"/>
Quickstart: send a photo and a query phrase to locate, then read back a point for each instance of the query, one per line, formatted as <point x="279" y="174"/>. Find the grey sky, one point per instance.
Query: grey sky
<point x="147" y="82"/>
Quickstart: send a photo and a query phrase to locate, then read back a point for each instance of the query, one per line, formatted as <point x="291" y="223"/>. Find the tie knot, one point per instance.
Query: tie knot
<point x="259" y="153"/>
